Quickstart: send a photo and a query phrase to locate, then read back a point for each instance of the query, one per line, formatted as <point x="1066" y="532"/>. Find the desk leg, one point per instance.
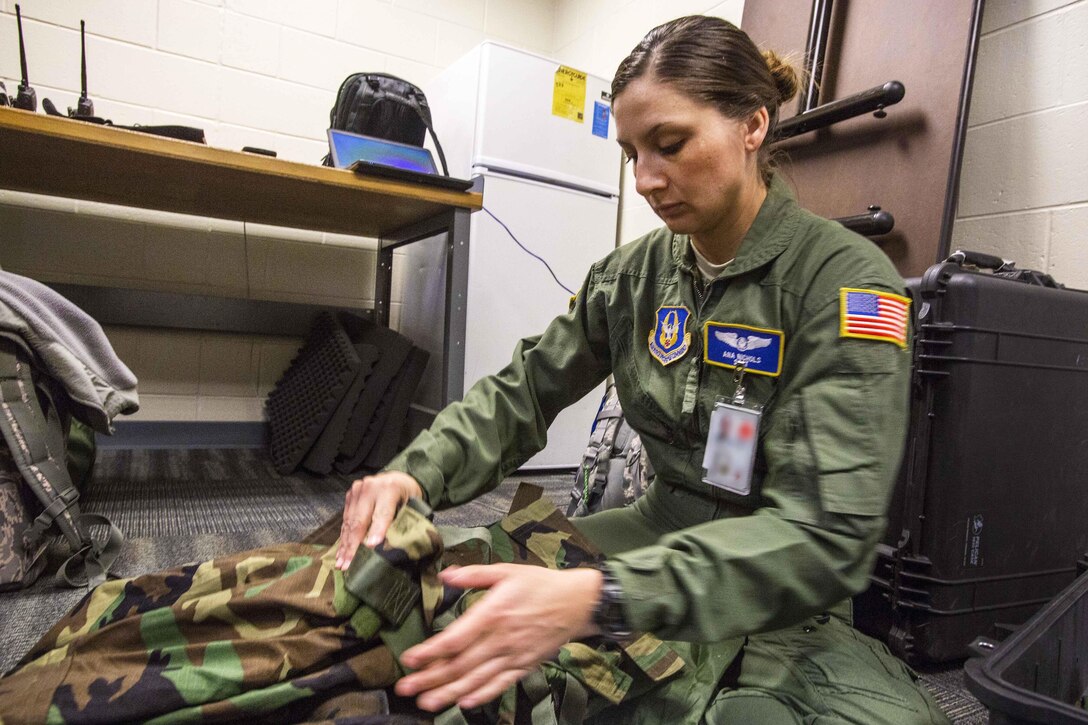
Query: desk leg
<point x="453" y="381"/>
<point x="454" y="225"/>
<point x="383" y="285"/>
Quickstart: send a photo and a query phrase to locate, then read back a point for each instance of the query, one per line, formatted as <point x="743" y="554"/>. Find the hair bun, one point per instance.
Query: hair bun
<point x="784" y="74"/>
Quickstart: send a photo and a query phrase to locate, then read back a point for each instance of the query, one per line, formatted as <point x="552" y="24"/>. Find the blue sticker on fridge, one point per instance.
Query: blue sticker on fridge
<point x="600" y="119"/>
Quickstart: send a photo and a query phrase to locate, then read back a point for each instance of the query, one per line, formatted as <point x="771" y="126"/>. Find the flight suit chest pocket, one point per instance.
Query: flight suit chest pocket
<point x="646" y="388"/>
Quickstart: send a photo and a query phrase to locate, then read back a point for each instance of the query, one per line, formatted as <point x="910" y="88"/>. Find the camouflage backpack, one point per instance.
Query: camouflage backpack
<point x="615" y="469"/>
<point x="38" y="500"/>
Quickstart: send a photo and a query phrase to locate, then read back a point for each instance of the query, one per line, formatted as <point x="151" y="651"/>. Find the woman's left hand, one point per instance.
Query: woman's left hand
<point x="527" y="614"/>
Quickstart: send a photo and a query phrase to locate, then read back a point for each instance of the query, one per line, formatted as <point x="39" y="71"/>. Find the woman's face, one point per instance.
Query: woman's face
<point x="697" y="168"/>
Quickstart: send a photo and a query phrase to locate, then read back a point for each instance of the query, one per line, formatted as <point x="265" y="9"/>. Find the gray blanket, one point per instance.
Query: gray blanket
<point x="71" y="347"/>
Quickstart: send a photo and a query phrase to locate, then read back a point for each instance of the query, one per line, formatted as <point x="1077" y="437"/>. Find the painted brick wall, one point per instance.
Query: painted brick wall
<point x="596" y="36"/>
<point x="263" y="73"/>
<point x="1024" y="190"/>
<point x="250" y="73"/>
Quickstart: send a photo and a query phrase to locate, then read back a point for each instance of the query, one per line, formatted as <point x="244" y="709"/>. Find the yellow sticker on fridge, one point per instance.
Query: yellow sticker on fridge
<point x="569" y="94"/>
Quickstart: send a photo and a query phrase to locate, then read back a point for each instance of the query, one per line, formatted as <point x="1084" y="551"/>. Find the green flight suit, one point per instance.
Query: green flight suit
<point x="697" y="563"/>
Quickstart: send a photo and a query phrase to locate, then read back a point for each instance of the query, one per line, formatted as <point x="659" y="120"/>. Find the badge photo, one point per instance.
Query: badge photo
<point x="757" y="349"/>
<point x="670" y="339"/>
<point x="729" y="459"/>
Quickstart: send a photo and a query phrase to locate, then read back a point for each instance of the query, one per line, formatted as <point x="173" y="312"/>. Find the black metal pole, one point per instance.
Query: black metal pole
<point x="873" y="100"/>
<point x="873" y="223"/>
<point x="819" y="27"/>
<point x="952" y="189"/>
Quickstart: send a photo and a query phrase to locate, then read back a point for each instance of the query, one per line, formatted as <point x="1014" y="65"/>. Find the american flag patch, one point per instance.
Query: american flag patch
<point x="873" y="315"/>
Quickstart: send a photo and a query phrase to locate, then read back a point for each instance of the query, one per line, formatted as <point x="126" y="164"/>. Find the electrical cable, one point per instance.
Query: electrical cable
<point x="526" y="250"/>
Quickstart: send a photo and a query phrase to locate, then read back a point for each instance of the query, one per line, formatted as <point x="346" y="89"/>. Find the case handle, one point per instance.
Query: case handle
<point x="982" y="647"/>
<point x="981" y="260"/>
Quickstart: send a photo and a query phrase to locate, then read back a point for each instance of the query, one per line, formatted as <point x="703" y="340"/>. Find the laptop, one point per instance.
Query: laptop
<point x="370" y="156"/>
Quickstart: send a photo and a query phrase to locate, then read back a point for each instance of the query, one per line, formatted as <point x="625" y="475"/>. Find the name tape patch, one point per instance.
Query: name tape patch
<point x="670" y="339"/>
<point x="730" y="345"/>
<point x="873" y="315"/>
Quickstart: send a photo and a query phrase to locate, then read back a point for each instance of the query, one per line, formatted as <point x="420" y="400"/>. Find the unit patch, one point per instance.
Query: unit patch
<point x="758" y="350"/>
<point x="670" y="339"/>
<point x="873" y="315"/>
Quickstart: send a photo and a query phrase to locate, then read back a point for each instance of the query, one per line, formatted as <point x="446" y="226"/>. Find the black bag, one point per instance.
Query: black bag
<point x="385" y="107"/>
<point x="39" y="504"/>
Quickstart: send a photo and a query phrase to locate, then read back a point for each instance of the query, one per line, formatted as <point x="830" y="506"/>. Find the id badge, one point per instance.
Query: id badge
<point x="730" y="454"/>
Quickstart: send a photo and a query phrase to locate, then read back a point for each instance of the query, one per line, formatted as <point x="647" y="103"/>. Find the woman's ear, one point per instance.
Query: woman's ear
<point x="756" y="128"/>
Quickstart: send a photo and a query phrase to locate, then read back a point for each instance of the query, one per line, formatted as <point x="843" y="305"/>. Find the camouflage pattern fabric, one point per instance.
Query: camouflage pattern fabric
<point x="637" y="471"/>
<point x="18" y="562"/>
<point x="615" y="468"/>
<point x="279" y="635"/>
<point x="33" y="430"/>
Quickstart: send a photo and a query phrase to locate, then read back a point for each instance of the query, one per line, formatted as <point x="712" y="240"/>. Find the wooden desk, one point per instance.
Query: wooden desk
<point x="57" y="156"/>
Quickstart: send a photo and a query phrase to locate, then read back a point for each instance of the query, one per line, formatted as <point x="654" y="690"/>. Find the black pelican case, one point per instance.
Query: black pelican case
<point x="990" y="514"/>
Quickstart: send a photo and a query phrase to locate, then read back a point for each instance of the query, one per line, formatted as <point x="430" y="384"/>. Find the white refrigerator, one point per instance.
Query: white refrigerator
<point x="541" y="136"/>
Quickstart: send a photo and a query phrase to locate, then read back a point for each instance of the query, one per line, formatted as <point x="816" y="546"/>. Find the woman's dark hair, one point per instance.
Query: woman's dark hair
<point x="713" y="61"/>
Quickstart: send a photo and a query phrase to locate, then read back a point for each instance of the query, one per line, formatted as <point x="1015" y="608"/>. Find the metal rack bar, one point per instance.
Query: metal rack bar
<point x="874" y="100"/>
<point x="872" y="223"/>
<point x="819" y="28"/>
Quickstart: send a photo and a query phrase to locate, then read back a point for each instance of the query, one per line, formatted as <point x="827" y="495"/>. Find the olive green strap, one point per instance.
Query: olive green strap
<point x="381" y="586"/>
<point x="453" y="536"/>
<point x="411" y="632"/>
<point x="94" y="559"/>
<point x="572" y="709"/>
<point x="452" y="716"/>
<point x="539" y="692"/>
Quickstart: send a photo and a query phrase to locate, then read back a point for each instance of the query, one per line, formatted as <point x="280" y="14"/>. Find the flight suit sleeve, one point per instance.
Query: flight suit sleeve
<point x="832" y="449"/>
<point x="503" y="419"/>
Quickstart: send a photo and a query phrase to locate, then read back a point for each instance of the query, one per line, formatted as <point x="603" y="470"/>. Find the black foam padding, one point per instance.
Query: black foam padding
<point x="394" y="349"/>
<point x="396" y="410"/>
<point x="305" y="398"/>
<point x="324" y="450"/>
<point x="390" y="414"/>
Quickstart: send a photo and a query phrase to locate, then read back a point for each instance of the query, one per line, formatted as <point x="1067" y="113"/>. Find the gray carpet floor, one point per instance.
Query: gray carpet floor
<point x="178" y="506"/>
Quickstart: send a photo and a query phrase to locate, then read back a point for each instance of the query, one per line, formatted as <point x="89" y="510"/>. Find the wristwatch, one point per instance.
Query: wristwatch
<point x="608" y="615"/>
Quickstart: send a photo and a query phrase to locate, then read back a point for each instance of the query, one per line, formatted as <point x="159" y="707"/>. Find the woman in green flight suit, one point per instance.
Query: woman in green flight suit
<point x="761" y="353"/>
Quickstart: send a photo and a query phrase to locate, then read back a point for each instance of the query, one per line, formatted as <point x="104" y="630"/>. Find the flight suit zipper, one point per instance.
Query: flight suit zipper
<point x="701" y="300"/>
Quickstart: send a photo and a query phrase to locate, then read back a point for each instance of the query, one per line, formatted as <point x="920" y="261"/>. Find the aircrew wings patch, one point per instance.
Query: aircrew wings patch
<point x="873" y="315"/>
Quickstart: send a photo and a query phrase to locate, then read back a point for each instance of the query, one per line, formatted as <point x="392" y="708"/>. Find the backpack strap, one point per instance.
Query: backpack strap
<point x="35" y="438"/>
<point x="413" y="103"/>
<point x="412" y="100"/>
<point x="437" y="146"/>
<point x="636" y="469"/>
<point x="593" y="473"/>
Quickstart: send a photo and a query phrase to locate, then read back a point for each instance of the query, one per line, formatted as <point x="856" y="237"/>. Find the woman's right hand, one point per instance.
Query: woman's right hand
<point x="369" y="508"/>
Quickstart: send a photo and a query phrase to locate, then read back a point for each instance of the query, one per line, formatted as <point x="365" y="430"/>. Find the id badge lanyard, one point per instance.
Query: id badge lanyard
<point x="730" y="456"/>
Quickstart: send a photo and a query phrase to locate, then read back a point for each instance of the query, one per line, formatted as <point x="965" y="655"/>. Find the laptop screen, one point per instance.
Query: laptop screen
<point x="347" y="148"/>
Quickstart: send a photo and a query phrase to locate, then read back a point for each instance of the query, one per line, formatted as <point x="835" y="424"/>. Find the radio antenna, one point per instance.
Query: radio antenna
<point x="27" y="98"/>
<point x="84" y="107"/>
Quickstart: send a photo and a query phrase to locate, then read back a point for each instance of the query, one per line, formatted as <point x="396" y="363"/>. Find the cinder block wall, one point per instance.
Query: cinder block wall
<point x="250" y="73"/>
<point x="256" y="73"/>
<point x="1024" y="190"/>
<point x="596" y="36"/>
<point x="264" y="73"/>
